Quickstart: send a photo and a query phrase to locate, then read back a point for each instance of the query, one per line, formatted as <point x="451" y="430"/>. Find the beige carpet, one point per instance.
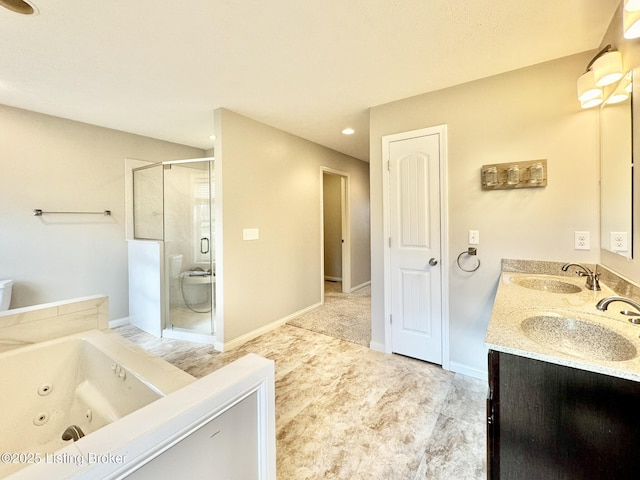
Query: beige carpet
<point x="346" y="316"/>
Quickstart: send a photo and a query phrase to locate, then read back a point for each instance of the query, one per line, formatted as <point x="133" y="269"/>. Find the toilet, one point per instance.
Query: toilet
<point x="5" y="294"/>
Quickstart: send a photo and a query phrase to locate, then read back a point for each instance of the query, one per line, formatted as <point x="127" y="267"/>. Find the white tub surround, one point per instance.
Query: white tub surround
<point x="515" y="303"/>
<point x="86" y="380"/>
<point x="39" y="323"/>
<point x="221" y="426"/>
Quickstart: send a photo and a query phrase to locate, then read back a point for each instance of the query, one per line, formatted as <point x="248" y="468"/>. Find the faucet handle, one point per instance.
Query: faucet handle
<point x="593" y="281"/>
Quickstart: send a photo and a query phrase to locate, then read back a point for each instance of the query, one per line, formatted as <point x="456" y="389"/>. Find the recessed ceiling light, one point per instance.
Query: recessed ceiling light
<point x="348" y="131"/>
<point x="212" y="137"/>
<point x="19" y="6"/>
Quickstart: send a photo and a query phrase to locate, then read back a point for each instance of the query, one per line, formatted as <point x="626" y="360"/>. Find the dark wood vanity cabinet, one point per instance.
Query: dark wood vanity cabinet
<point x="548" y="421"/>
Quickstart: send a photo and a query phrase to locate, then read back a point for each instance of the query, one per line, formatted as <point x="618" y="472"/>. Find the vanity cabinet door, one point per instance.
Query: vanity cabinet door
<point x="547" y="421"/>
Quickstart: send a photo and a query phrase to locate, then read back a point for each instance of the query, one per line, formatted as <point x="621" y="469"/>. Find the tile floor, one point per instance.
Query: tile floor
<point x="344" y="411"/>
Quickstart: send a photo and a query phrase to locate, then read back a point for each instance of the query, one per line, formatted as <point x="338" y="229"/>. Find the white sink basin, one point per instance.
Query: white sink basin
<point x="578" y="337"/>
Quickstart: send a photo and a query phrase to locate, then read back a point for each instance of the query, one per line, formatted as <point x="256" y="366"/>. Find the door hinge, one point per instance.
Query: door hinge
<point x="389" y="165"/>
<point x="389" y="242"/>
<point x="390" y="318"/>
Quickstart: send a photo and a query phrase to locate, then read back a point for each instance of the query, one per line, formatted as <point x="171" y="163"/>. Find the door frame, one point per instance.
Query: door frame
<point x="440" y="130"/>
<point x="345" y="185"/>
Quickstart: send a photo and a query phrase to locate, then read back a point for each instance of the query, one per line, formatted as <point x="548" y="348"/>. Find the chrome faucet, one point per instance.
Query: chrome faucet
<point x="604" y="304"/>
<point x="593" y="278"/>
<point x="73" y="432"/>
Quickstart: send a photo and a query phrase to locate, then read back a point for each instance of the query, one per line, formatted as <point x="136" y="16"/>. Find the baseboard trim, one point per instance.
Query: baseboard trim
<point x="362" y="285"/>
<point x="242" y="339"/>
<point x="377" y="347"/>
<point x="332" y="279"/>
<point x="468" y="371"/>
<point x="119" y="322"/>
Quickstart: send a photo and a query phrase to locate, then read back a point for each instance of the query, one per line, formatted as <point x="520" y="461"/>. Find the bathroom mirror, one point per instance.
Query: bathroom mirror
<point x="616" y="170"/>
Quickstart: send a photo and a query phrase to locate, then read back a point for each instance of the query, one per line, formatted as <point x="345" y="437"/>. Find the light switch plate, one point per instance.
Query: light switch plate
<point x="250" y="233"/>
<point x="582" y="241"/>
<point x="474" y="237"/>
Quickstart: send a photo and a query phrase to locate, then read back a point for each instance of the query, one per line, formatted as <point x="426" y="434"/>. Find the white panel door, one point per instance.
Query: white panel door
<point x="414" y="201"/>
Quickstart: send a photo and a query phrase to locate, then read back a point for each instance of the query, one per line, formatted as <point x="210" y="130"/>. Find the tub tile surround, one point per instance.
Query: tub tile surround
<point x="513" y="303"/>
<point x="27" y="325"/>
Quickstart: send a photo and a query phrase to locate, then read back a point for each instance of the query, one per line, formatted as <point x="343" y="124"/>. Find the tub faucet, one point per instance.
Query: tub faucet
<point x="73" y="432"/>
<point x="593" y="278"/>
<point x="604" y="304"/>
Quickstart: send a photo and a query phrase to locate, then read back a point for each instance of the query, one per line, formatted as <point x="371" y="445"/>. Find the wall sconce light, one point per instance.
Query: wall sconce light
<point x="588" y="91"/>
<point x="631" y="19"/>
<point x="587" y="88"/>
<point x="603" y="69"/>
<point x="607" y="69"/>
<point x="622" y="90"/>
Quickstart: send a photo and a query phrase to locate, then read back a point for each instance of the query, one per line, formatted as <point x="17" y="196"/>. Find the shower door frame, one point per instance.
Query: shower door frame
<point x="215" y="243"/>
<point x="168" y="330"/>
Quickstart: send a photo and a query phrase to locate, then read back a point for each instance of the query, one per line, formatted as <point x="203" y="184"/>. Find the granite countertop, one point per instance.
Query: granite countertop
<point x="515" y="303"/>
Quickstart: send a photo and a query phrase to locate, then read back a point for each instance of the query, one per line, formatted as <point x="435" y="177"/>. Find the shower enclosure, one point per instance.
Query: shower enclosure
<point x="173" y="204"/>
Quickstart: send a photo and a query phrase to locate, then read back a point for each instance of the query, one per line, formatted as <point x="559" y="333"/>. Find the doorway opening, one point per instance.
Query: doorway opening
<point x="335" y="259"/>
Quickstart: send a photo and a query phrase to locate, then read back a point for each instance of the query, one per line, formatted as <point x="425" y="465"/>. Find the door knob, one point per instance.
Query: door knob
<point x="433" y="262"/>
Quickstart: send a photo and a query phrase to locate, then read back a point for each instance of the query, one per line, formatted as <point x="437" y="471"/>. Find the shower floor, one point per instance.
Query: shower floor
<point x="183" y="318"/>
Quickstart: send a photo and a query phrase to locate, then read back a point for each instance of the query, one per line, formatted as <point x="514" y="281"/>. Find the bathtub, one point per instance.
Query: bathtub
<point x="143" y="418"/>
<point x="87" y="380"/>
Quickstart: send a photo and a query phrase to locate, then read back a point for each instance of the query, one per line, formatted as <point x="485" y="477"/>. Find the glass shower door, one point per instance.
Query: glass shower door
<point x="148" y="214"/>
<point x="188" y="234"/>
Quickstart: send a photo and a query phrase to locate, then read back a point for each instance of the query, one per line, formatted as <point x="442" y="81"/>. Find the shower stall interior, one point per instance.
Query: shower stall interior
<point x="173" y="204"/>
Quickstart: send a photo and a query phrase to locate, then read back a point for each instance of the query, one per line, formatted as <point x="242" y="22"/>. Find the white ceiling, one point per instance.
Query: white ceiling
<point x="311" y="67"/>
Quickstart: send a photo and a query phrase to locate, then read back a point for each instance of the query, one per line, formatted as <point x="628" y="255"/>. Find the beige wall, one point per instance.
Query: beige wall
<point x="56" y="164"/>
<point x="271" y="180"/>
<point x="526" y="114"/>
<point x="631" y="58"/>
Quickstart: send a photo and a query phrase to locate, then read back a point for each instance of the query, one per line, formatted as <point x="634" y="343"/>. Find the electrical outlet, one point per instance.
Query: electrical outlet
<point x="474" y="237"/>
<point x="582" y="241"/>
<point x="619" y="241"/>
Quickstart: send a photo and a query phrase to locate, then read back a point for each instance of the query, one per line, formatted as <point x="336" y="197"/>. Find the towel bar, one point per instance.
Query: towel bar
<point x="38" y="213"/>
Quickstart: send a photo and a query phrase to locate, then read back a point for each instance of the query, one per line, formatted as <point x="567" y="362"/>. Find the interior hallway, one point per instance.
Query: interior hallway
<point x="346" y="316"/>
<point x="344" y="411"/>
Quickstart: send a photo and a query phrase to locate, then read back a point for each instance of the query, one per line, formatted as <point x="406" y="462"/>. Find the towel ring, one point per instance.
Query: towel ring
<point x="471" y="251"/>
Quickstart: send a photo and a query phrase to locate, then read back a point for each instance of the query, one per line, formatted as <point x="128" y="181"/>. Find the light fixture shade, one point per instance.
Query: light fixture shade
<point x="608" y="68"/>
<point x="617" y="97"/>
<point x="631" y="23"/>
<point x="587" y="89"/>
<point x="594" y="102"/>
<point x="632" y="5"/>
